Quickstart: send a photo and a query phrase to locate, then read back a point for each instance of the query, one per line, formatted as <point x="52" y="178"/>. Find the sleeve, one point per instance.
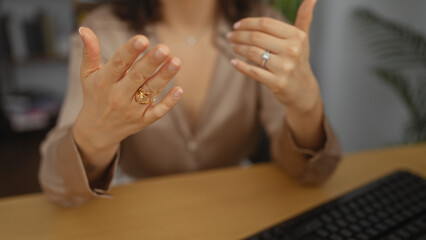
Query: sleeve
<point x="317" y="166"/>
<point x="62" y="175"/>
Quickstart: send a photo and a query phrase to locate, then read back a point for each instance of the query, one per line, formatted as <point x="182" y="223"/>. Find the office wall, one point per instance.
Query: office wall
<point x="365" y="112"/>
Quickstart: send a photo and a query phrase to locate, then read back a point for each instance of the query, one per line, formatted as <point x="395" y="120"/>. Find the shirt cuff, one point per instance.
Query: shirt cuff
<point x="72" y="169"/>
<point x="318" y="165"/>
<point x="331" y="144"/>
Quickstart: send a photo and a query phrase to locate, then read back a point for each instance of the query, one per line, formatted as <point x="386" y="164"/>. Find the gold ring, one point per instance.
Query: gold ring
<point x="144" y="96"/>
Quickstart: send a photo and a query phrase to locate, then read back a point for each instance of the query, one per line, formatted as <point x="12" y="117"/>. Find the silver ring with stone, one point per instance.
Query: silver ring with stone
<point x="265" y="57"/>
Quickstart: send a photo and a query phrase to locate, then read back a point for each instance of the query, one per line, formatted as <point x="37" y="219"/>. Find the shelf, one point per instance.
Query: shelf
<point x="36" y="60"/>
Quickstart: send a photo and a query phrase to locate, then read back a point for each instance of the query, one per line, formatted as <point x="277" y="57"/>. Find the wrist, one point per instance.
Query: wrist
<point x="311" y="110"/>
<point x="89" y="140"/>
<point x="93" y="155"/>
<point x="307" y="126"/>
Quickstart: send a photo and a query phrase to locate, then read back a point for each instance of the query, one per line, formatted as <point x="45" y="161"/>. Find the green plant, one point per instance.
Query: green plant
<point x="288" y="8"/>
<point x="402" y="54"/>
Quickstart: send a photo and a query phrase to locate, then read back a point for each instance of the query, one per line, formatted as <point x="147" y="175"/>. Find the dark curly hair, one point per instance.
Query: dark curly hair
<point x="138" y="13"/>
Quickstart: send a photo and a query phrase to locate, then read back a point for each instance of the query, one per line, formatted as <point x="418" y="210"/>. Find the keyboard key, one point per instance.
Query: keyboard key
<point x="326" y="218"/>
<point x="373" y="232"/>
<point x="363" y="236"/>
<point x="336" y="237"/>
<point x="311" y="237"/>
<point x="322" y="233"/>
<point x="306" y="228"/>
<point x="335" y="214"/>
<point x="332" y="228"/>
<point x="392" y="237"/>
<point x="423" y="237"/>
<point x="355" y="228"/>
<point x="341" y="223"/>
<point x="346" y="233"/>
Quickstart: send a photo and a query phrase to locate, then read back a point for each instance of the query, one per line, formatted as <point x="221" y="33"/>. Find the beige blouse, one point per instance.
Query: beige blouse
<point x="228" y="131"/>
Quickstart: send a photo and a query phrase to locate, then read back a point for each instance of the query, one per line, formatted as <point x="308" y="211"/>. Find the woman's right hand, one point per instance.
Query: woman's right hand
<point x="110" y="112"/>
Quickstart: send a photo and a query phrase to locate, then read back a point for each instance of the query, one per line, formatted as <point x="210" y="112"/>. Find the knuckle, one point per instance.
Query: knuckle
<point x="113" y="105"/>
<point x="294" y="51"/>
<point x="83" y="75"/>
<point x="281" y="87"/>
<point x="252" y="53"/>
<point x="157" y="113"/>
<point x="116" y="102"/>
<point x="169" y="103"/>
<point x="255" y="37"/>
<point x="288" y="66"/>
<point x="145" y="121"/>
<point x="253" y="73"/>
<point x="119" y="63"/>
<point x="265" y="23"/>
<point x="302" y="36"/>
<point x="99" y="84"/>
<point x="135" y="75"/>
<point x="150" y="89"/>
<point x="128" y="116"/>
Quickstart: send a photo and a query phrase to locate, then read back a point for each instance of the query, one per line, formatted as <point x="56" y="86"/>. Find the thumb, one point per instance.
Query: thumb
<point x="305" y="15"/>
<point x="91" y="61"/>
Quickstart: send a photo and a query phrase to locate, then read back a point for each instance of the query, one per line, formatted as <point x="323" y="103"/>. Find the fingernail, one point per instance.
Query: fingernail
<point x="161" y="53"/>
<point x="139" y="44"/>
<point x="234" y="62"/>
<point x="174" y="64"/>
<point x="229" y="35"/>
<point x="178" y="93"/>
<point x="80" y="31"/>
<point x="237" y="25"/>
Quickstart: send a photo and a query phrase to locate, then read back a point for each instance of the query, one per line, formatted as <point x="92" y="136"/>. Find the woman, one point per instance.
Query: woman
<point x="109" y="116"/>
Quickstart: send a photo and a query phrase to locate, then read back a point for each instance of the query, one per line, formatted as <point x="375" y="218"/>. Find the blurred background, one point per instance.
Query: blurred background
<point x="369" y="57"/>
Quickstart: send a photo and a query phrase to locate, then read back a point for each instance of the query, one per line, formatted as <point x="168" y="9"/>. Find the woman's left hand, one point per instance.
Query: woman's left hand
<point x="287" y="72"/>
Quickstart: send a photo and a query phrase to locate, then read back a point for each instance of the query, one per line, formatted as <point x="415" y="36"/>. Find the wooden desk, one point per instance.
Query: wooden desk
<point x="221" y="204"/>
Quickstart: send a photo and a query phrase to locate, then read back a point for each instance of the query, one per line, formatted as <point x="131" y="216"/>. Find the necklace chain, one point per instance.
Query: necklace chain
<point x="192" y="40"/>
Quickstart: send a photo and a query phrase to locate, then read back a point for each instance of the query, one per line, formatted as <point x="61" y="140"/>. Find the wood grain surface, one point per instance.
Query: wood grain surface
<point x="227" y="203"/>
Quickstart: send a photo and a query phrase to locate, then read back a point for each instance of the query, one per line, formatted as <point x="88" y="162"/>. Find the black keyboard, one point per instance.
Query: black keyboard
<point x="391" y="208"/>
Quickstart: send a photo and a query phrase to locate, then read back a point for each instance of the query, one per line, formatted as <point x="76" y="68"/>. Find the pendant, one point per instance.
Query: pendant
<point x="191" y="41"/>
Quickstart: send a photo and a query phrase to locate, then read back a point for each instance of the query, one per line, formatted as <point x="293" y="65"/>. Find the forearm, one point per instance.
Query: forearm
<point x="96" y="160"/>
<point x="307" y="127"/>
<point x="307" y="149"/>
<point x="62" y="174"/>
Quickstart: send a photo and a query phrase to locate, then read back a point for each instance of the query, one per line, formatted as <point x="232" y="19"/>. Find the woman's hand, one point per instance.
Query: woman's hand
<point x="110" y="112"/>
<point x="287" y="72"/>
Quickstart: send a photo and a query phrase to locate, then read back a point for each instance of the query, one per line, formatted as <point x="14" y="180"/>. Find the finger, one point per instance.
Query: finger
<point x="305" y="15"/>
<point x="124" y="58"/>
<point x="161" y="78"/>
<point x="91" y="61"/>
<point x="166" y="73"/>
<point x="275" y="64"/>
<point x="157" y="111"/>
<point x="271" y="26"/>
<point x="145" y="67"/>
<point x="257" y="73"/>
<point x="258" y="39"/>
